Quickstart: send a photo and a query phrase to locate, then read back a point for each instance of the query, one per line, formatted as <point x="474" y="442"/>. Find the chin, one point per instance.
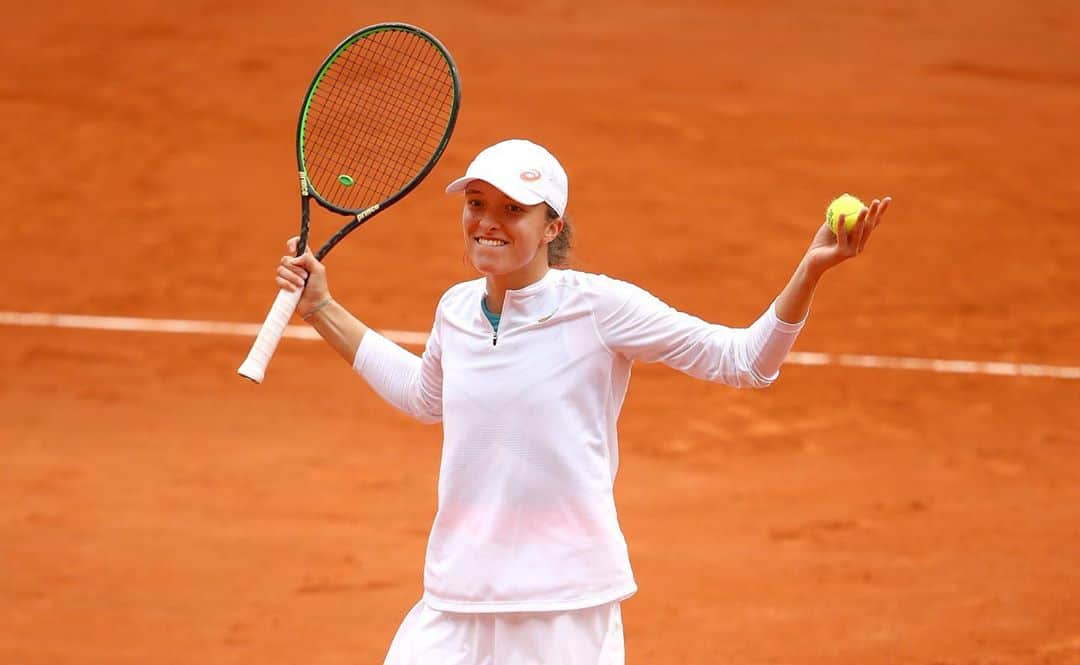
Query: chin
<point x="486" y="266"/>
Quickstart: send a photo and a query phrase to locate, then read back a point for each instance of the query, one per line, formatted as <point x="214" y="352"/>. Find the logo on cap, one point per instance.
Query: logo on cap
<point x="529" y="175"/>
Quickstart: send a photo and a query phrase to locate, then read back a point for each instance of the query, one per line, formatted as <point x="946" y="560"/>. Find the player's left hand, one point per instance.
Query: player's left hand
<point x="829" y="249"/>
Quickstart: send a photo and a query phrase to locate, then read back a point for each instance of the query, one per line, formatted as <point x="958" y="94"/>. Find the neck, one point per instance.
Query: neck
<point x="498" y="285"/>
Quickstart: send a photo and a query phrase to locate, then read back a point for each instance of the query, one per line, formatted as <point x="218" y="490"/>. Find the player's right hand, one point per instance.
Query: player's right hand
<point x="303" y="272"/>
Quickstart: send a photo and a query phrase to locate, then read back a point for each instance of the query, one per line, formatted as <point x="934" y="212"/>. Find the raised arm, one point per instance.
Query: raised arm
<point x="410" y="383"/>
<point x="639" y="326"/>
<point x="827" y="251"/>
<point x="330" y="319"/>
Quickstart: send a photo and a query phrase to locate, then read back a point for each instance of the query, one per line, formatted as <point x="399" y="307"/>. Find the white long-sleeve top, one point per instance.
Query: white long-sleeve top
<point x="526" y="515"/>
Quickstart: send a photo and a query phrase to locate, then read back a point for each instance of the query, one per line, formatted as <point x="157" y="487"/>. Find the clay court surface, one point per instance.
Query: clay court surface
<point x="156" y="509"/>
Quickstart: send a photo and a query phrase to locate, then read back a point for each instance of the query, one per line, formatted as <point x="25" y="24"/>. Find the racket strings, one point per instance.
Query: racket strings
<point x="413" y="116"/>
<point x="393" y="98"/>
<point x="369" y="146"/>
<point x="351" y="132"/>
<point x="378" y="114"/>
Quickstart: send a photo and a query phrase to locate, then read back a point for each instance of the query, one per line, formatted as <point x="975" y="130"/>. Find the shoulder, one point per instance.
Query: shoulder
<point x="600" y="284"/>
<point x="461" y="293"/>
<point x="590" y="282"/>
<point x="603" y="292"/>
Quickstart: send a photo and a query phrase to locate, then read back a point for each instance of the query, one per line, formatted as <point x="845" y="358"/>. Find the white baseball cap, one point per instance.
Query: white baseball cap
<point x="522" y="170"/>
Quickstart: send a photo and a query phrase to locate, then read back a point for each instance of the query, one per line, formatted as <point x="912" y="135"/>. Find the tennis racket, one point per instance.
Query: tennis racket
<point x="374" y="122"/>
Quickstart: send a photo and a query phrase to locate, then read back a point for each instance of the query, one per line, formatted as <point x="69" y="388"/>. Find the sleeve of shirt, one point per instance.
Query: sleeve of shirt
<point x="640" y="326"/>
<point x="410" y="383"/>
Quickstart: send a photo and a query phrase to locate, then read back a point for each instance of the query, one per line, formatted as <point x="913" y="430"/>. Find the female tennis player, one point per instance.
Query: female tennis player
<point x="527" y="368"/>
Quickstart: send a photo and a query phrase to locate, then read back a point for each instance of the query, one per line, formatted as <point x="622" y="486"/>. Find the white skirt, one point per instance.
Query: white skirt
<point x="590" y="636"/>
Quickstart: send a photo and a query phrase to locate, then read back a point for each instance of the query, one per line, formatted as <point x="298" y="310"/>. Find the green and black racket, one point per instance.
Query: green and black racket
<point x="374" y="122"/>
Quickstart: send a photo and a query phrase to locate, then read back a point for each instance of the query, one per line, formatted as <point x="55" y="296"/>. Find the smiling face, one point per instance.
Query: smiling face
<point x="504" y="239"/>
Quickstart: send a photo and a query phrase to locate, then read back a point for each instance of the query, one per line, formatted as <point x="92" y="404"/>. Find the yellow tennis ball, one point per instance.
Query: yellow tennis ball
<point x="846" y="205"/>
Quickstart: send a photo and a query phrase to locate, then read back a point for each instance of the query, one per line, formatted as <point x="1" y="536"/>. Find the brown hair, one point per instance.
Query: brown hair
<point x="558" y="250"/>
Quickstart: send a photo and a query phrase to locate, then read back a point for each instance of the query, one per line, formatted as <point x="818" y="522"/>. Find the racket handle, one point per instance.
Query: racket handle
<point x="254" y="367"/>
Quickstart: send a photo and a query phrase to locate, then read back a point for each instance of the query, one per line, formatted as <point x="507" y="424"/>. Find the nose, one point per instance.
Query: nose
<point x="488" y="222"/>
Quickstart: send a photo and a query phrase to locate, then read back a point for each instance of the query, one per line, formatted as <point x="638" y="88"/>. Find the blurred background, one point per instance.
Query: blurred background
<point x="155" y="508"/>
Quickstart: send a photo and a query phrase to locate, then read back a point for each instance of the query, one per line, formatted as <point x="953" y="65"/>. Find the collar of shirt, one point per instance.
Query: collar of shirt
<point x="529" y="305"/>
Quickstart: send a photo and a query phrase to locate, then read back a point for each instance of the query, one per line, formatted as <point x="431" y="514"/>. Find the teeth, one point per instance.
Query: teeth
<point x="490" y="242"/>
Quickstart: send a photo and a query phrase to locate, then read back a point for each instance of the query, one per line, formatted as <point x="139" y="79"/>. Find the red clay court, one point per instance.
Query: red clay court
<point x="155" y="508"/>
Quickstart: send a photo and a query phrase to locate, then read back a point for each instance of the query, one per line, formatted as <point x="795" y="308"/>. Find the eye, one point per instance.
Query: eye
<point x="514" y="208"/>
<point x="473" y="203"/>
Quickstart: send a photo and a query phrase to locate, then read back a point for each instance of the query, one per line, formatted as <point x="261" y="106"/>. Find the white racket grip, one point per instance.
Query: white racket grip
<point x="254" y="367"/>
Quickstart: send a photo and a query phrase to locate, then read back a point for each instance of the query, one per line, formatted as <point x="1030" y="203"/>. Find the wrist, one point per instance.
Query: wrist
<point x="811" y="270"/>
<point x="318" y="307"/>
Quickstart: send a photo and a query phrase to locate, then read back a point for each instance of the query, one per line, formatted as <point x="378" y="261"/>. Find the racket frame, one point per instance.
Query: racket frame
<point x="254" y="366"/>
<point x="307" y="189"/>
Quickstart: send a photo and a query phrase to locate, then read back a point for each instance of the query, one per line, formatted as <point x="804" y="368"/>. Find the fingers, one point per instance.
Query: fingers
<point x="850" y="243"/>
<point x="878" y="209"/>
<point x="841" y="231"/>
<point x="884" y="204"/>
<point x="847" y="239"/>
<point x="881" y="211"/>
<point x="292" y="271"/>
<point x="290" y="275"/>
<point x="303" y="272"/>
<point x="859" y="230"/>
<point x="287" y="283"/>
<point x="292" y="243"/>
<point x="828" y="250"/>
<point x="868" y="225"/>
<point x="296" y="264"/>
<point x="862" y="227"/>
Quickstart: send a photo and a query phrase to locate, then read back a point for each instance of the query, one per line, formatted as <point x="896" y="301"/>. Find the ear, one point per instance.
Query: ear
<point x="553" y="229"/>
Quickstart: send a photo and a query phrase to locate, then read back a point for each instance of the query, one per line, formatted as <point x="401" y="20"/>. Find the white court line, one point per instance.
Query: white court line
<point x="127" y="324"/>
<point x="41" y="320"/>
